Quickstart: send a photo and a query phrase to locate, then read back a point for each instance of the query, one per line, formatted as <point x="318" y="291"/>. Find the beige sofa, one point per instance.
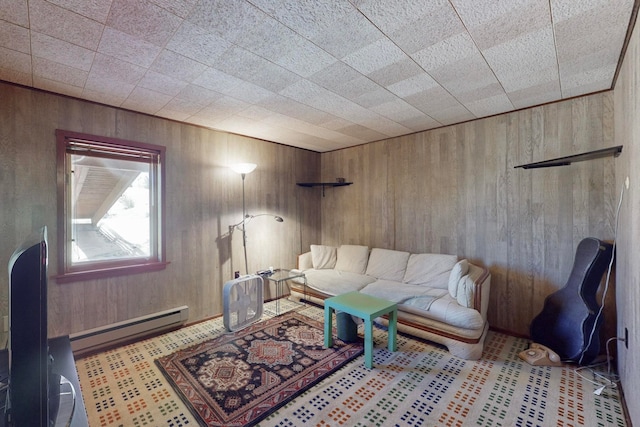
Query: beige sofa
<point x="440" y="298"/>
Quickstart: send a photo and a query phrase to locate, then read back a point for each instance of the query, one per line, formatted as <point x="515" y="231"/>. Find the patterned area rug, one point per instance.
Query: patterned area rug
<point x="419" y="385"/>
<point x="240" y="378"/>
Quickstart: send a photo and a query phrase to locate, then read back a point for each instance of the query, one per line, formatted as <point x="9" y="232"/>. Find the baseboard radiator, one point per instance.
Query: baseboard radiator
<point x="111" y="335"/>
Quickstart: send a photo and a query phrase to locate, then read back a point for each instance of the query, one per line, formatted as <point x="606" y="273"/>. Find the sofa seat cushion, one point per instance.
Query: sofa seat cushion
<point x="432" y="303"/>
<point x="398" y="292"/>
<point x="336" y="282"/>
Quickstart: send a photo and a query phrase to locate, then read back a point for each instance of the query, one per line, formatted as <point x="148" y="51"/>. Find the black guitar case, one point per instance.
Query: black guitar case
<point x="567" y="319"/>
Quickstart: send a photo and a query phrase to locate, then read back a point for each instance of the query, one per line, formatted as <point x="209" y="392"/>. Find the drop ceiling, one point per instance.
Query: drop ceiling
<point x="315" y="74"/>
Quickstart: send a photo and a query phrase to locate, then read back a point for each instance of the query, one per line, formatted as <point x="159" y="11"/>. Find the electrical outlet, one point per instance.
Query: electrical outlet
<point x="626" y="183"/>
<point x="626" y="338"/>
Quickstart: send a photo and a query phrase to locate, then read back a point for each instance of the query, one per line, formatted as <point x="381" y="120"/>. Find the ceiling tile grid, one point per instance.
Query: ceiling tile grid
<point x="315" y="74"/>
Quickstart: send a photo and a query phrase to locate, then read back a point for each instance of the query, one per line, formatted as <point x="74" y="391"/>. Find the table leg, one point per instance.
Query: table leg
<point x="368" y="343"/>
<point x="392" y="333"/>
<point x="328" y="329"/>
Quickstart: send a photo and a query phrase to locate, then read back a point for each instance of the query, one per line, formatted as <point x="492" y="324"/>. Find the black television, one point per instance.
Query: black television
<point x="34" y="392"/>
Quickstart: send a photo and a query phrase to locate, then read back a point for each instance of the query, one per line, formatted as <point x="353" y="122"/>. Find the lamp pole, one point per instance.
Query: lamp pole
<point x="243" y="169"/>
<point x="244" y="232"/>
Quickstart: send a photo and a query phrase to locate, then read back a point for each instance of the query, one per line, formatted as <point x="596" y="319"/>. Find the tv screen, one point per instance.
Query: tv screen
<point x="27" y="399"/>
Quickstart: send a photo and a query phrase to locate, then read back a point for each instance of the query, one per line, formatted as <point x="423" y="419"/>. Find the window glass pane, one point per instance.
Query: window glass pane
<point x="110" y="205"/>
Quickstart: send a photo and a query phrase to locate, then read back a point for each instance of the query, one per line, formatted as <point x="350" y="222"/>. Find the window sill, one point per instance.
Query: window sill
<point x="101" y="273"/>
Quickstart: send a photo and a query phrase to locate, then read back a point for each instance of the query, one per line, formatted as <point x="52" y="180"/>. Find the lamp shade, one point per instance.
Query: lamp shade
<point x="243" y="168"/>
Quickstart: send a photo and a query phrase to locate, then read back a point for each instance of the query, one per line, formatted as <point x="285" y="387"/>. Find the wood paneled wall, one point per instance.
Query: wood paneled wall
<point x="627" y="129"/>
<point x="203" y="198"/>
<point x="455" y="190"/>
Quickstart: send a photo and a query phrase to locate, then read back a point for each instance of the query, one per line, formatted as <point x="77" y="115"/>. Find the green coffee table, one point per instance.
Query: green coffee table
<point x="365" y="307"/>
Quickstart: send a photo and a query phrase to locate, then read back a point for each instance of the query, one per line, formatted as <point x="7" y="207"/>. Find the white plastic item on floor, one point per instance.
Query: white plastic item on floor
<point x="242" y="302"/>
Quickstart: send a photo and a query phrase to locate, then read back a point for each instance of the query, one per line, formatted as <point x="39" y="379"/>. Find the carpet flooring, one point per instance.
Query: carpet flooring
<point x="421" y="384"/>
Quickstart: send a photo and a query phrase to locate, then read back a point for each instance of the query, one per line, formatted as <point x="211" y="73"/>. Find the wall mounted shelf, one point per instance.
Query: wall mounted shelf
<point x="564" y="161"/>
<point x="323" y="184"/>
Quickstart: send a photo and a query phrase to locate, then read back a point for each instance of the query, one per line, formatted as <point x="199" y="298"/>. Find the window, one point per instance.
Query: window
<point x="110" y="198"/>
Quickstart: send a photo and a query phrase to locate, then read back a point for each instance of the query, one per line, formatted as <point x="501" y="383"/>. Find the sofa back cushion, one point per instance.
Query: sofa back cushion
<point x="387" y="264"/>
<point x="352" y="258"/>
<point x="323" y="256"/>
<point x="430" y="269"/>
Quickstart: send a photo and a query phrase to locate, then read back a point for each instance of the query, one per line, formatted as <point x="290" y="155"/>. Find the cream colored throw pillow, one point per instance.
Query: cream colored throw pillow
<point x="387" y="264"/>
<point x="323" y="257"/>
<point x="352" y="258"/>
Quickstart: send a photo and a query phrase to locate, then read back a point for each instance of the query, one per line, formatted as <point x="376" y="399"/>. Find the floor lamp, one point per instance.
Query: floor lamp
<point x="243" y="169"/>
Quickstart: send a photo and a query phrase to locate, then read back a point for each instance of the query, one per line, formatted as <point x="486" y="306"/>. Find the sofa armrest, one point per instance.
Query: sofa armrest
<point x="304" y="261"/>
<point x="481" y="287"/>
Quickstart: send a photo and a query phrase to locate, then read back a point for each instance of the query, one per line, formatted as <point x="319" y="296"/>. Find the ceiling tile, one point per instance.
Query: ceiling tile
<point x="535" y="95"/>
<point x="177" y="66"/>
<point x="143" y="20"/>
<point x="393" y="16"/>
<point x="431" y="100"/>
<point x="527" y="60"/>
<point x="413" y="85"/>
<point x="14" y="60"/>
<point x="183" y="107"/>
<point x="446" y="52"/>
<point x="108" y="93"/>
<point x="466" y="75"/>
<point x="57" y="87"/>
<point x="374" y="97"/>
<point x="590" y="31"/>
<point x="489" y="106"/>
<point x="395" y="72"/>
<point x="161" y="83"/>
<point x="98" y="10"/>
<point x="430" y="29"/>
<point x="303" y="57"/>
<point x="128" y="48"/>
<point x="60" y="51"/>
<point x="197" y="95"/>
<point x="63" y="24"/>
<point x="15" y="11"/>
<point x="563" y="10"/>
<point x="14" y="37"/>
<point x="491" y="23"/>
<point x="109" y="67"/>
<point x="375" y="56"/>
<point x="145" y="100"/>
<point x="181" y="8"/>
<point x="285" y="106"/>
<point x="452" y="115"/>
<point x="229" y="20"/>
<point x="343" y="80"/>
<point x="420" y="123"/>
<point x="347" y="34"/>
<point x="398" y="111"/>
<point x="60" y="73"/>
<point x="198" y="44"/>
<point x="362" y="133"/>
<point x="595" y="79"/>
